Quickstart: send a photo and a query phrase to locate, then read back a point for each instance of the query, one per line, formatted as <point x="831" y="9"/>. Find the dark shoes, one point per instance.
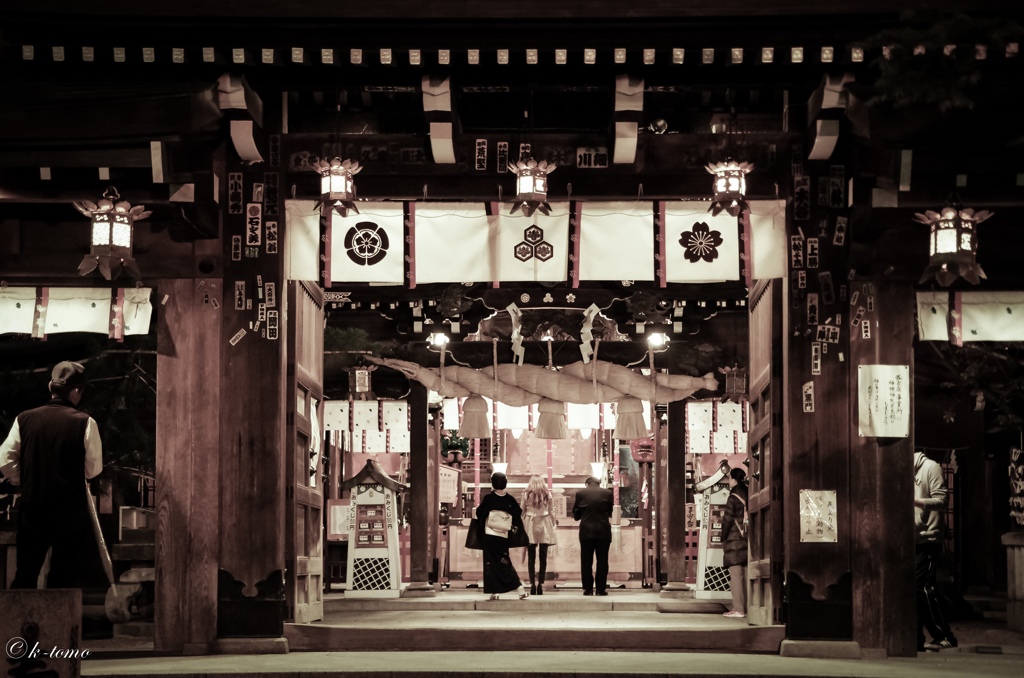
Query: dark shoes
<point x="540" y="589"/>
<point x="602" y="593"/>
<point x="533" y="589"/>
<point x="944" y="644"/>
<point x="588" y="592"/>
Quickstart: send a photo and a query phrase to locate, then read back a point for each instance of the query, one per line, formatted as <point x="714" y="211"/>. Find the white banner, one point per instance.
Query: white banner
<point x="452" y="243"/>
<point x="302" y="240"/>
<point x="532" y="248"/>
<point x="78" y="309"/>
<point x="700" y="248"/>
<point x="369" y="246"/>
<point x="768" y="235"/>
<point x="992" y="316"/>
<point x="17" y="308"/>
<point x="933" y="316"/>
<point x="617" y="241"/>
<point x="138" y="311"/>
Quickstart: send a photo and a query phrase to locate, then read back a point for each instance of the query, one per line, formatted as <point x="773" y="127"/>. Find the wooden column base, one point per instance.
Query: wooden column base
<point x="675" y="589"/>
<point x="419" y="589"/>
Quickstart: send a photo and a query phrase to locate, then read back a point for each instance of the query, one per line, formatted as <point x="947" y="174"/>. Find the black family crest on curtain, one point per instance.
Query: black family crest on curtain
<point x="701" y="243"/>
<point x="534" y="245"/>
<point x="366" y="243"/>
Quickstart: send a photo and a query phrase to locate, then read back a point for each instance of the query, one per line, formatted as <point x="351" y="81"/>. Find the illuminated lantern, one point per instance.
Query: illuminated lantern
<point x="953" y="245"/>
<point x="112" y="235"/>
<point x="730" y="186"/>
<point x="735" y="383"/>
<point x="336" y="185"/>
<point x="531" y="186"/>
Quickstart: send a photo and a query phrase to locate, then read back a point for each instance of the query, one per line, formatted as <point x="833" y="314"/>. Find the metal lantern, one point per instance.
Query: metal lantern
<point x="531" y="186"/>
<point x="735" y="383"/>
<point x="360" y="382"/>
<point x="337" y="187"/>
<point x="730" y="186"/>
<point x="953" y="244"/>
<point x="112" y="235"/>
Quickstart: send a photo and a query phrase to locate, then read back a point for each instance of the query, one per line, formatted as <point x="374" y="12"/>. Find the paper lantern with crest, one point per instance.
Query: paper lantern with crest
<point x="337" y="186"/>
<point x="531" y="186"/>
<point x="730" y="186"/>
<point x="953" y="243"/>
<point x="113" y="236"/>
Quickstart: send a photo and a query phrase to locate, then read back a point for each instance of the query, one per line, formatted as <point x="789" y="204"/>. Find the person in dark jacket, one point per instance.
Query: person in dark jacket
<point x="593" y="508"/>
<point x="49" y="452"/>
<point x="499" y="574"/>
<point x="734" y="541"/>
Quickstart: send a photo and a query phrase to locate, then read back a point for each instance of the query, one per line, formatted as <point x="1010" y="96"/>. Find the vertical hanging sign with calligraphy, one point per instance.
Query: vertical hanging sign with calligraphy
<point x="883" y="401"/>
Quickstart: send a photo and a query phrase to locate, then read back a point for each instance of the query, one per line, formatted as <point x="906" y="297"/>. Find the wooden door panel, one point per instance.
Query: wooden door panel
<point x="764" y="597"/>
<point x="304" y="513"/>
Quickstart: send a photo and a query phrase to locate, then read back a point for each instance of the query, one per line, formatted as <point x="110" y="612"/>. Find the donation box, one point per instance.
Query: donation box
<point x="374" y="563"/>
<point x="712" y="576"/>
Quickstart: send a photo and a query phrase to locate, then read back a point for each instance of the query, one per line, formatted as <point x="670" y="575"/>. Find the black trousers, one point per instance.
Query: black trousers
<point x="66" y="530"/>
<point x="588" y="548"/>
<point x="930" y="614"/>
<point x="531" y="552"/>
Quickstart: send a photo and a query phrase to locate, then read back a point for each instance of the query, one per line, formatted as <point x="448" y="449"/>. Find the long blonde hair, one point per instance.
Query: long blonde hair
<point x="536" y="494"/>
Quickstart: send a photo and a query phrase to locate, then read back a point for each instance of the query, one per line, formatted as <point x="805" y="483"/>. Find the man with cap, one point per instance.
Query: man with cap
<point x="49" y="452"/>
<point x="593" y="508"/>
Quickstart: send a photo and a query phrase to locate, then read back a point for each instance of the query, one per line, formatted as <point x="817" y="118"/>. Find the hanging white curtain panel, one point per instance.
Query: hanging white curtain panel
<point x="933" y="316"/>
<point x="992" y="316"/>
<point x="17" y="308"/>
<point x="138" y="311"/>
<point x="617" y="241"/>
<point x="451" y="243"/>
<point x="531" y="248"/>
<point x="369" y="246"/>
<point x="302" y="239"/>
<point x="768" y="238"/>
<point x="78" y="309"/>
<point x="700" y="248"/>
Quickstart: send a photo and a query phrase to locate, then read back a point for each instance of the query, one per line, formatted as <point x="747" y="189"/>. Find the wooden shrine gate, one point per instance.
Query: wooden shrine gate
<point x="764" y="569"/>
<point x="304" y="544"/>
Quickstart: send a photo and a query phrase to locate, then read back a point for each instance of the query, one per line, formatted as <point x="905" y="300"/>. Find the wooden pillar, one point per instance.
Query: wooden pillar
<point x="672" y="502"/>
<point x="253" y="377"/>
<point x="882" y="490"/>
<point x="187" y="464"/>
<point x="422" y="489"/>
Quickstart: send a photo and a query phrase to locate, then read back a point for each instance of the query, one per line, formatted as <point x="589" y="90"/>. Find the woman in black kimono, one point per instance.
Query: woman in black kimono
<point x="499" y="575"/>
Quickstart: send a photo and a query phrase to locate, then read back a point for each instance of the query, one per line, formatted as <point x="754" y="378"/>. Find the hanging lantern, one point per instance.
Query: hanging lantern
<point x="337" y="187"/>
<point x="730" y="186"/>
<point x="360" y="385"/>
<point x="953" y="244"/>
<point x="112" y="235"/>
<point x="531" y="186"/>
<point x="735" y="383"/>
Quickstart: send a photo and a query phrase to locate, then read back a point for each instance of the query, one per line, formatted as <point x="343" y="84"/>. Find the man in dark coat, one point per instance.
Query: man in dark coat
<point x="734" y="541"/>
<point x="593" y="508"/>
<point x="49" y="452"/>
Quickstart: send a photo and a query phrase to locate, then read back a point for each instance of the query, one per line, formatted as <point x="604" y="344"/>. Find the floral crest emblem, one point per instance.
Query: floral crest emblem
<point x="701" y="243"/>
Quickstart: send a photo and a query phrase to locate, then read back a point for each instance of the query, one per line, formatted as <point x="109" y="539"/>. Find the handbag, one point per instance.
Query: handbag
<point x="746" y="518"/>
<point x="499" y="521"/>
<point x="474" y="540"/>
<point x="517" y="536"/>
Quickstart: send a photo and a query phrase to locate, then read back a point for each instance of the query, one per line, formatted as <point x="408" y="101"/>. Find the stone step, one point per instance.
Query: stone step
<point x="134" y="552"/>
<point x="986" y="603"/>
<point x="136" y="629"/>
<point x="139" y="536"/>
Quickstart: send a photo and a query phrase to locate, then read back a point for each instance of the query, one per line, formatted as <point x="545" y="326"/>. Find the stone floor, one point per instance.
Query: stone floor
<point x="550" y="665"/>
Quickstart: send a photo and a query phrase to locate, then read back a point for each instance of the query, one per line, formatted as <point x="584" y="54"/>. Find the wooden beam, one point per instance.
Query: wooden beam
<point x="672" y="484"/>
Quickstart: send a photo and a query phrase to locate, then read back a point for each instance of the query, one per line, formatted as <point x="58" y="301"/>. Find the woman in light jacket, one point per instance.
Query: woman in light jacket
<point x="499" y="574"/>
<point x="540" y="528"/>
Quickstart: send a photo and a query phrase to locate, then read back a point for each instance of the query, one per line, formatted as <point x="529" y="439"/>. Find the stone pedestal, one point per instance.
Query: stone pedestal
<point x="35" y="622"/>
<point x="1014" y="543"/>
